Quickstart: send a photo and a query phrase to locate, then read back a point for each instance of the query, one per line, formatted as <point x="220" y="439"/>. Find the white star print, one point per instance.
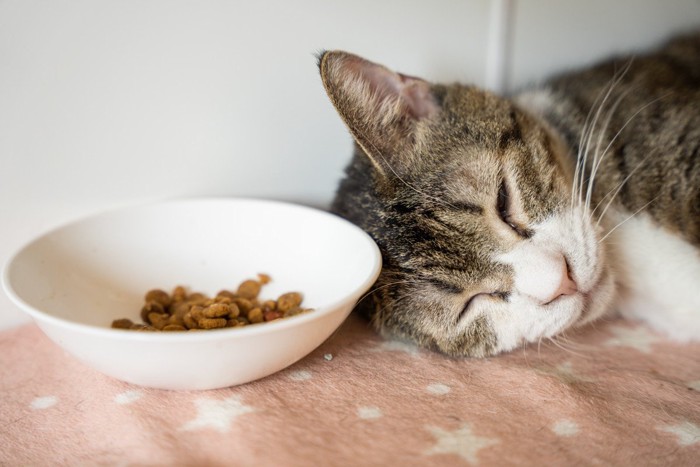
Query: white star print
<point x="300" y="375"/>
<point x="565" y="373"/>
<point x="461" y="442"/>
<point x="565" y="427"/>
<point x="45" y="402"/>
<point x="638" y="338"/>
<point x="438" y="389"/>
<point x="369" y="412"/>
<point x="694" y="385"/>
<point x="396" y="346"/>
<point x="127" y="397"/>
<point x="217" y="414"/>
<point x="688" y="433"/>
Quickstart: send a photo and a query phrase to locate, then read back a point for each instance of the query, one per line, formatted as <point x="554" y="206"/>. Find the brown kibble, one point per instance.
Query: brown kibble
<point x="176" y="319"/>
<point x="216" y="310"/>
<point x="226" y="294"/>
<point x="189" y="321"/>
<point x="249" y="289"/>
<point x="243" y="304"/>
<point x="288" y="301"/>
<point x="197" y="312"/>
<point x="294" y="311"/>
<point x="158" y="295"/>
<point x="233" y="311"/>
<point x="151" y="307"/>
<point x="211" y="323"/>
<point x="123" y="323"/>
<point x="158" y="320"/>
<point x="223" y="299"/>
<point x="264" y="278"/>
<point x="179" y="293"/>
<point x="181" y="311"/>
<point x="255" y="315"/>
<point x="272" y="315"/>
<point x="196" y="297"/>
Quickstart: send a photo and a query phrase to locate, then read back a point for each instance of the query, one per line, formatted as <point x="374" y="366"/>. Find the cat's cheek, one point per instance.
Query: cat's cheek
<point x="521" y="321"/>
<point x="600" y="300"/>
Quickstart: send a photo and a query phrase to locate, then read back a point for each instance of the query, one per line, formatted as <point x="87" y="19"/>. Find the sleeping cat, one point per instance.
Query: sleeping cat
<point x="503" y="221"/>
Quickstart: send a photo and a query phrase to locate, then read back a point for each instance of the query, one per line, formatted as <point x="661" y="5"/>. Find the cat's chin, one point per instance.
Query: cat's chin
<point x="598" y="300"/>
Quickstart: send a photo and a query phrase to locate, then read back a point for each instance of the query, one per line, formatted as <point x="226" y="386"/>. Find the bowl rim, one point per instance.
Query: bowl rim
<point x="40" y="316"/>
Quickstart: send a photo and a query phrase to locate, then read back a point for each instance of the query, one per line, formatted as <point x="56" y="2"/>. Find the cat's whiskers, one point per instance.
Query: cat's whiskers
<point x="587" y="134"/>
<point x="554" y="341"/>
<point x="563" y="338"/>
<point x="616" y="190"/>
<point x="586" y="128"/>
<point x="627" y="218"/>
<point x="594" y="123"/>
<point x="377" y="318"/>
<point x="383" y="286"/>
<point x="598" y="156"/>
<point x="539" y="345"/>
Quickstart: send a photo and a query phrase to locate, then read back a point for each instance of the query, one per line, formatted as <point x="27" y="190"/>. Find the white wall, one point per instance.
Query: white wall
<point x="109" y="103"/>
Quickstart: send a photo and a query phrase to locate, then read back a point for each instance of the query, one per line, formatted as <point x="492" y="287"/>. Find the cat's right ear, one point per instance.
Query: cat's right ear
<point x="382" y="109"/>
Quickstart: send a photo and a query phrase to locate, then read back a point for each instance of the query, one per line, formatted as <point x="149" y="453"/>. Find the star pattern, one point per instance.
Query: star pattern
<point x="694" y="385"/>
<point x="565" y="373"/>
<point x="687" y="433"/>
<point x="300" y="375"/>
<point x="565" y="427"/>
<point x="217" y="414"/>
<point x="369" y="413"/>
<point x="637" y="338"/>
<point x="461" y="442"/>
<point x="44" y="402"/>
<point x="438" y="389"/>
<point x="127" y="397"/>
<point x="396" y="346"/>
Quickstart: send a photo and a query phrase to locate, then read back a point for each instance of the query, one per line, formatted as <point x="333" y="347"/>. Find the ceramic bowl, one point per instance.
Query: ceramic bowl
<point x="75" y="280"/>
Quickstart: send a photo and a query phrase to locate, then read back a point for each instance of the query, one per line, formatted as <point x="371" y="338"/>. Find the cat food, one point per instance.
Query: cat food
<point x="182" y="311"/>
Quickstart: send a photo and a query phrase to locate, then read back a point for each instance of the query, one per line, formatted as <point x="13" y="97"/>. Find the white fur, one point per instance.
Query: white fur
<point x="537" y="262"/>
<point x="537" y="101"/>
<point x="659" y="275"/>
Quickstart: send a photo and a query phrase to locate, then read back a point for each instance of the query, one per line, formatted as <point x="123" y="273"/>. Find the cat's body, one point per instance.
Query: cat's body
<point x="655" y="250"/>
<point x="492" y="234"/>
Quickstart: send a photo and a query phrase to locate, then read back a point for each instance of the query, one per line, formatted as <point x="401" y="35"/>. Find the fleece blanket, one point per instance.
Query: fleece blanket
<point x="613" y="394"/>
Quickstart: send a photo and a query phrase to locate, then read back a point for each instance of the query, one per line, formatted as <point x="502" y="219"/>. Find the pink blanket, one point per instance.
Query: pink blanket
<point x="614" y="394"/>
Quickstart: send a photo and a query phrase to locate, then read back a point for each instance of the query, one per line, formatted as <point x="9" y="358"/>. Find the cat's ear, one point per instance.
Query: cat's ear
<point x="381" y="108"/>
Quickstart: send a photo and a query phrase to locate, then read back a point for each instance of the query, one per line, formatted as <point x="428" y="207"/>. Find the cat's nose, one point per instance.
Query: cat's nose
<point x="567" y="285"/>
<point x="544" y="276"/>
<point x="540" y="273"/>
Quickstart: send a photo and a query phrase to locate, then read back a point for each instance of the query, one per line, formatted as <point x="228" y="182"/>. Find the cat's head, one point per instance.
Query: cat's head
<point x="470" y="201"/>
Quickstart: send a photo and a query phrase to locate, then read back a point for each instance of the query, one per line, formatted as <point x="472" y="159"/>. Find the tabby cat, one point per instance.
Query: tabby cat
<point x="503" y="221"/>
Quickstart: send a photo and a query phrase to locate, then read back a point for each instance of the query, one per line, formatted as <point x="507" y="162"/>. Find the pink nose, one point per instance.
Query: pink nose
<point x="567" y="286"/>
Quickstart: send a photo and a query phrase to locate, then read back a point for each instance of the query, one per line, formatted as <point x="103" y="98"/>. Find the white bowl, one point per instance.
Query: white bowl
<point x="78" y="278"/>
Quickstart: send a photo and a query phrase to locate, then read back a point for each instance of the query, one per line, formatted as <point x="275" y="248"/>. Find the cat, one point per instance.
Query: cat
<point x="503" y="221"/>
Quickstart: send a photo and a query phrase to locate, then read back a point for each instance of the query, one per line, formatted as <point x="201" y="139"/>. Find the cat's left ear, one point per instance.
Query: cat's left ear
<point x="382" y="109"/>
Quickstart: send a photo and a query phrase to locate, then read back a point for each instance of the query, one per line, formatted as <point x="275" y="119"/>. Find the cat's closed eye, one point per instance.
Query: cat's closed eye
<point x="471" y="303"/>
<point x="505" y="208"/>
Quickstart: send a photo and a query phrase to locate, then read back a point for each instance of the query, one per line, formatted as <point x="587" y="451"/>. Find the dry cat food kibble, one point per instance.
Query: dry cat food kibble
<point x="182" y="311"/>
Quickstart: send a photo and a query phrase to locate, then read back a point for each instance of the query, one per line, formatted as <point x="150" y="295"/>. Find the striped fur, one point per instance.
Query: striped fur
<point x="470" y="195"/>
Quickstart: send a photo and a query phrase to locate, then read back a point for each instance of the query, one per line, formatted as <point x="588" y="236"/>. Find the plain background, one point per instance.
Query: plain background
<point x="111" y="103"/>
